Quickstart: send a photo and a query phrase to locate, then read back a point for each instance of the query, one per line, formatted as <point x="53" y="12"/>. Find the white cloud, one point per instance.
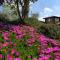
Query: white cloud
<point x="55" y="11"/>
<point x="46" y="12"/>
<point x="41" y="19"/>
<point x="31" y="3"/>
<point x="46" y="9"/>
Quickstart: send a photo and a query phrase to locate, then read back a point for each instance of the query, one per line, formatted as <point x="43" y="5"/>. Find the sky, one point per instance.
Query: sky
<point x="46" y="8"/>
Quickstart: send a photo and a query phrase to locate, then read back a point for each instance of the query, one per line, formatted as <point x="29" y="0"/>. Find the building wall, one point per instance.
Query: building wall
<point x="52" y="20"/>
<point x="56" y="20"/>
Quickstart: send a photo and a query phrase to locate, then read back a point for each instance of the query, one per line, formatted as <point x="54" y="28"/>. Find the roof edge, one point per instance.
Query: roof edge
<point x="51" y="17"/>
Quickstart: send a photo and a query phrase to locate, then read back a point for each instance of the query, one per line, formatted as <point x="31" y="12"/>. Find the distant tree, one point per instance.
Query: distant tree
<point x="35" y="15"/>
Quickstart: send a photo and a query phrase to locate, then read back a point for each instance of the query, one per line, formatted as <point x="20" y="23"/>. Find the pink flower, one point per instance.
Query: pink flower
<point x="17" y="53"/>
<point x="5" y="44"/>
<point x="51" y="49"/>
<point x="17" y="58"/>
<point x="14" y="44"/>
<point x="48" y="50"/>
<point x="29" y="44"/>
<point x="57" y="58"/>
<point x="29" y="56"/>
<point x="9" y="57"/>
<point x="56" y="49"/>
<point x="35" y="59"/>
<point x="5" y="38"/>
<point x="13" y="51"/>
<point x="5" y="35"/>
<point x="43" y="41"/>
<point x="57" y="53"/>
<point x="1" y="56"/>
<point x="54" y="42"/>
<point x="19" y="36"/>
<point x="45" y="57"/>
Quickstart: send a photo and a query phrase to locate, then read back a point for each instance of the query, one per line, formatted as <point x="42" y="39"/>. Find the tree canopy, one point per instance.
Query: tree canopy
<point x="24" y="4"/>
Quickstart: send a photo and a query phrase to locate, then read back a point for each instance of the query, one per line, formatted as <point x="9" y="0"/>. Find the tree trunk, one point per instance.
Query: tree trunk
<point x="25" y="9"/>
<point x="20" y="18"/>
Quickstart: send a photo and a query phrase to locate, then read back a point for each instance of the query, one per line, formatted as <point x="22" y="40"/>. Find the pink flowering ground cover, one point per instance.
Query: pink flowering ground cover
<point x="22" y="42"/>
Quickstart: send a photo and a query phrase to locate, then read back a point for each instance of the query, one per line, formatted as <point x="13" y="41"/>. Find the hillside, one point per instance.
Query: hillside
<point x="23" y="42"/>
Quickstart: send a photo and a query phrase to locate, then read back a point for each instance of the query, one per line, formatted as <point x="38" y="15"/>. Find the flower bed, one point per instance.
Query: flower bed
<point x="22" y="42"/>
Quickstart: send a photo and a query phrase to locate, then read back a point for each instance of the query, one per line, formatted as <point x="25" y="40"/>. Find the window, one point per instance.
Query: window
<point x="56" y="19"/>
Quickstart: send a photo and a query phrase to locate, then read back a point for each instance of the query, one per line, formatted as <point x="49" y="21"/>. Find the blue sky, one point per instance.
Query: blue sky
<point x="46" y="8"/>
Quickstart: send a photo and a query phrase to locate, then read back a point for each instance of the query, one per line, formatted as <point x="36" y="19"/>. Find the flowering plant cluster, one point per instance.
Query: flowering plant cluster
<point x="22" y="42"/>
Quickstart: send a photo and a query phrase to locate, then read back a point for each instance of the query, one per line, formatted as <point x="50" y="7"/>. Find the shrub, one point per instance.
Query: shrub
<point x="33" y="22"/>
<point x="50" y="30"/>
<point x="3" y="17"/>
<point x="8" y="18"/>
